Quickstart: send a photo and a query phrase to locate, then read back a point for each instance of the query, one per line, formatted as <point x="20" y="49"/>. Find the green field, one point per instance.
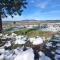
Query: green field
<point x="33" y="32"/>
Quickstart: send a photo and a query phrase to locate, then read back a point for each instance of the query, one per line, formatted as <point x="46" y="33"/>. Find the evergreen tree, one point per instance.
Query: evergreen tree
<point x="10" y="7"/>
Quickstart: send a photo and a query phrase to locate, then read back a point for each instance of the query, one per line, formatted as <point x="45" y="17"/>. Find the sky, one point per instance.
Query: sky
<point x="39" y="10"/>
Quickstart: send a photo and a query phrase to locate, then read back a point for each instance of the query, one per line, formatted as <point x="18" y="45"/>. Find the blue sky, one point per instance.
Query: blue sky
<point x="39" y="10"/>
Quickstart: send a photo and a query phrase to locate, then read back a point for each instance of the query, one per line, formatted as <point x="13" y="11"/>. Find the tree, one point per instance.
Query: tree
<point x="10" y="7"/>
<point x="14" y="23"/>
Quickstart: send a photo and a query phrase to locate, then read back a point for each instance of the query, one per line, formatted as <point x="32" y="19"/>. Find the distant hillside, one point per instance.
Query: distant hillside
<point x="50" y="21"/>
<point x="53" y="21"/>
<point x="29" y="22"/>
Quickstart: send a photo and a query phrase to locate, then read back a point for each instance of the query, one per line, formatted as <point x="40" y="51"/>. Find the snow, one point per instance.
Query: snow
<point x="1" y="57"/>
<point x="8" y="52"/>
<point x="57" y="56"/>
<point x="53" y="29"/>
<point x="43" y="56"/>
<point x="58" y="44"/>
<point x="31" y="39"/>
<point x="52" y="52"/>
<point x="49" y="44"/>
<point x="2" y="50"/>
<point x="17" y="50"/>
<point x="13" y="34"/>
<point x="1" y="34"/>
<point x="20" y="40"/>
<point x="26" y="55"/>
<point x="56" y="39"/>
<point x="36" y="41"/>
<point x="8" y="44"/>
<point x="57" y="51"/>
<point x="29" y="27"/>
<point x="41" y="53"/>
<point x="17" y="54"/>
<point x="9" y="57"/>
<point x="6" y="36"/>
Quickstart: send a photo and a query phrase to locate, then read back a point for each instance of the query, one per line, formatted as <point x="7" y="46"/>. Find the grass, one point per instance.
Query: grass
<point x="14" y="46"/>
<point x="33" y="32"/>
<point x="27" y="44"/>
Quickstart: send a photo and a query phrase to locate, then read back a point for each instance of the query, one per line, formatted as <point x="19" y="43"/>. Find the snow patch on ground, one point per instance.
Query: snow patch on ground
<point x="43" y="56"/>
<point x="20" y="39"/>
<point x="26" y="55"/>
<point x="36" y="41"/>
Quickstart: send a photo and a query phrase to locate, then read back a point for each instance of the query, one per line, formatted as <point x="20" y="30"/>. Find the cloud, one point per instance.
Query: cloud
<point x="39" y="3"/>
<point x="42" y="4"/>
